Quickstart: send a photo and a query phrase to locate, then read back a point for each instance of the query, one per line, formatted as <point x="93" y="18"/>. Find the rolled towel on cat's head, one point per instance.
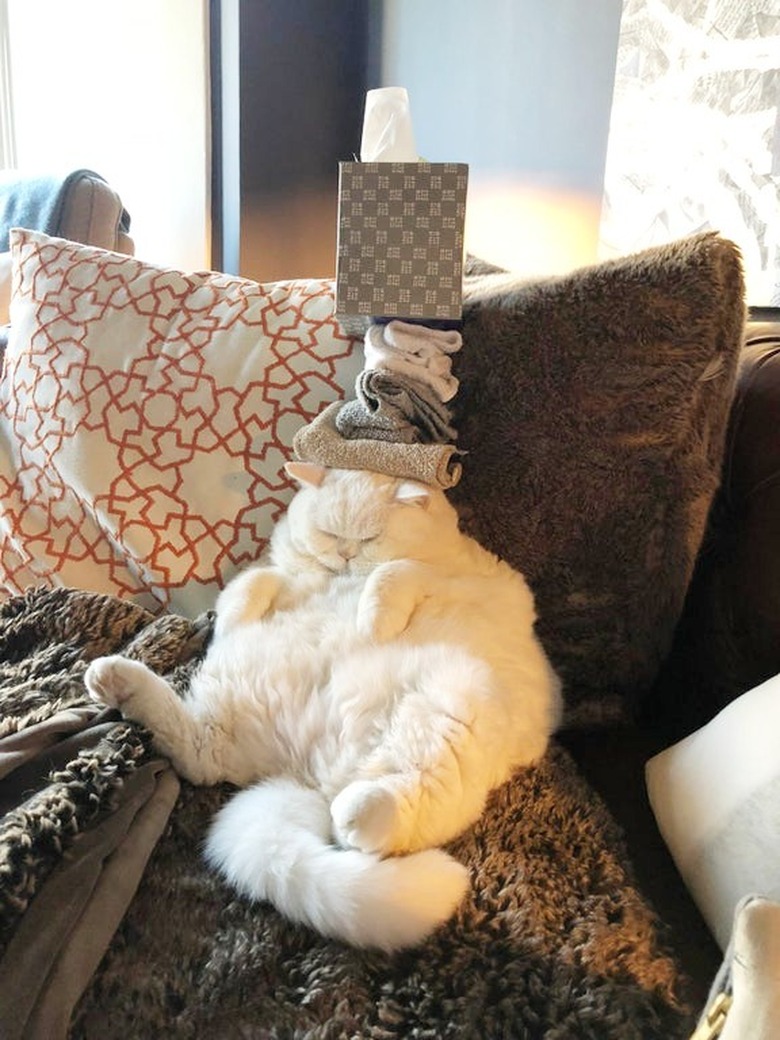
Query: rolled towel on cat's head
<point x="320" y="442"/>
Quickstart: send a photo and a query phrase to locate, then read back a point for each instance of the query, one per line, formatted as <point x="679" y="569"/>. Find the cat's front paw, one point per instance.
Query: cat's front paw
<point x="388" y="601"/>
<point x="112" y="680"/>
<point x="365" y="816"/>
<point x="249" y="597"/>
<point x="380" y="618"/>
<point x="379" y="623"/>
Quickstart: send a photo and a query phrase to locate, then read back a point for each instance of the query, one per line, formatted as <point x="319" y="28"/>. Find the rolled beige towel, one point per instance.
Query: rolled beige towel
<point x="319" y="441"/>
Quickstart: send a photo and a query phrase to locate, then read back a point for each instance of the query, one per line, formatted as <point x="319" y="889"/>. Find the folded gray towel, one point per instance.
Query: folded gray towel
<point x="319" y="441"/>
<point x="394" y="407"/>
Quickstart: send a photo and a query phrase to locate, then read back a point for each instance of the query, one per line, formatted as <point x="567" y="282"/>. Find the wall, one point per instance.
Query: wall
<point x="522" y="91"/>
<point x="121" y="87"/>
<point x="302" y="71"/>
<point x="519" y="89"/>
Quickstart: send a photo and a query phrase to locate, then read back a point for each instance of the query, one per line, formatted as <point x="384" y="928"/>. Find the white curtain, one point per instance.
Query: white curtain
<point x="121" y="87"/>
<point x="695" y="131"/>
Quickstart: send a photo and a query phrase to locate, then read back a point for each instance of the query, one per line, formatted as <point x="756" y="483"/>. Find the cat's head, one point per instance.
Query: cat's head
<point x="353" y="520"/>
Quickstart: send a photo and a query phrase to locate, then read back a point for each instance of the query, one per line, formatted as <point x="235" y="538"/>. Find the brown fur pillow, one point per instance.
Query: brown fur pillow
<point x="593" y="409"/>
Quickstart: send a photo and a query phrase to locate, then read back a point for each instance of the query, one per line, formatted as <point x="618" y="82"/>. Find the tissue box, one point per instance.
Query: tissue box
<point x="400" y="241"/>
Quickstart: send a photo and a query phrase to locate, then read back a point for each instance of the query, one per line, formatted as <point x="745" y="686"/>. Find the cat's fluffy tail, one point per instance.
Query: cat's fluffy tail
<point x="273" y="842"/>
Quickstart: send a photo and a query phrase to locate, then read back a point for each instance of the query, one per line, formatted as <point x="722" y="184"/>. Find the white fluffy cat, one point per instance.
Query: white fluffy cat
<point x="369" y="685"/>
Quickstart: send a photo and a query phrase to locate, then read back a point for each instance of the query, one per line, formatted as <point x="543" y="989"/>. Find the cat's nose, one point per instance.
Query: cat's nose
<point x="347" y="549"/>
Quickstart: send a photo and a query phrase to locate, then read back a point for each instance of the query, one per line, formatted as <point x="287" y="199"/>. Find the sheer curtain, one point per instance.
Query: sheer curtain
<point x="120" y="87"/>
<point x="694" y="140"/>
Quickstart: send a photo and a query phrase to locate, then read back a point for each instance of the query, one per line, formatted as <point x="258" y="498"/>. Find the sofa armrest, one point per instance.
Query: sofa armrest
<point x="728" y="639"/>
<point x="93" y="214"/>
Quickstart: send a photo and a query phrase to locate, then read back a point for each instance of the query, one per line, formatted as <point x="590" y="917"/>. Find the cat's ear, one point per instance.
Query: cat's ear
<point x="306" y="472"/>
<point x="413" y="494"/>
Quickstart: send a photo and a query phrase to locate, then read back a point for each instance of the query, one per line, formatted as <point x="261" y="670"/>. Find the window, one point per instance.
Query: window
<point x="120" y="88"/>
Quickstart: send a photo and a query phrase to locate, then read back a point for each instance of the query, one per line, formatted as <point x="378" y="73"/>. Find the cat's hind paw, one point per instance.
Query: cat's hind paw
<point x="113" y="680"/>
<point x="365" y="816"/>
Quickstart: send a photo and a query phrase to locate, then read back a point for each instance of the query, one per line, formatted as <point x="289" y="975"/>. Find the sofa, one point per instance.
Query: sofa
<point x="725" y="644"/>
<point x="616" y="437"/>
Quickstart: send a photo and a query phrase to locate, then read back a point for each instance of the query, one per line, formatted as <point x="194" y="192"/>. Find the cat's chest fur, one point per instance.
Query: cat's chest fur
<point x="292" y="650"/>
<point x="301" y="688"/>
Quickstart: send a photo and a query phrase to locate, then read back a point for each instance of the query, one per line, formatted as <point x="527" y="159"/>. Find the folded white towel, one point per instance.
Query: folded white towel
<point x="417" y="357"/>
<point x="420" y="339"/>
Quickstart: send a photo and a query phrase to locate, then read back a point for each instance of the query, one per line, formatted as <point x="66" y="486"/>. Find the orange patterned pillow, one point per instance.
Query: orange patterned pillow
<point x="145" y="416"/>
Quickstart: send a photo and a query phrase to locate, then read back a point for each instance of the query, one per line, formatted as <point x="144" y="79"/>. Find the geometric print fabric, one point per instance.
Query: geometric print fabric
<point x="145" y="418"/>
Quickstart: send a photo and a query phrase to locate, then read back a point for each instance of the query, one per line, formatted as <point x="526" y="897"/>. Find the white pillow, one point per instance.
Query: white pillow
<point x="145" y="417"/>
<point x="5" y="286"/>
<point x="716" y="797"/>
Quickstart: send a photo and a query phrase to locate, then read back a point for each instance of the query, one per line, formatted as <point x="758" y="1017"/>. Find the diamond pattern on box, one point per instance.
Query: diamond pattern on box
<point x="145" y="417"/>
<point x="400" y="239"/>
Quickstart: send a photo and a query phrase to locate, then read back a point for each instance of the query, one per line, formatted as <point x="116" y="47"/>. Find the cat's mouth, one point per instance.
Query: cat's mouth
<point x="334" y="565"/>
<point x="352" y="567"/>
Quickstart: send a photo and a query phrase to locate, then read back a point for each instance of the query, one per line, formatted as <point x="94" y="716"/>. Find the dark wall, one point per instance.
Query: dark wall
<point x="288" y="90"/>
<point x="303" y="69"/>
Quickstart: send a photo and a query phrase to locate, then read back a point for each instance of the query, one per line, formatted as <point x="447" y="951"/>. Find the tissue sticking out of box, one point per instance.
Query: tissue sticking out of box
<point x="387" y="127"/>
<point x="400" y="225"/>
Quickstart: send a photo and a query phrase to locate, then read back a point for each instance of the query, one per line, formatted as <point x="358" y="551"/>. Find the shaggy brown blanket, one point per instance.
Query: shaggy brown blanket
<point x="554" y="940"/>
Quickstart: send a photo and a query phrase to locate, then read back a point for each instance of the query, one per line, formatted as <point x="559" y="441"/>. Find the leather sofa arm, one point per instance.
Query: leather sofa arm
<point x="728" y="638"/>
<point x="93" y="214"/>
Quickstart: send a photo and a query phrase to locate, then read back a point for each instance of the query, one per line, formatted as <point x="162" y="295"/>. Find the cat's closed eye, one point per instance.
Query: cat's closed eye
<point x="332" y="536"/>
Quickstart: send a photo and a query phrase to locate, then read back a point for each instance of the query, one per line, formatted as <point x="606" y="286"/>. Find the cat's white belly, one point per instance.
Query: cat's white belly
<point x="300" y="692"/>
<point x="305" y="693"/>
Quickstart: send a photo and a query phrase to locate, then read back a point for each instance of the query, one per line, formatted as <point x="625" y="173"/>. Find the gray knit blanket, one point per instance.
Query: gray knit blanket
<point x="554" y="940"/>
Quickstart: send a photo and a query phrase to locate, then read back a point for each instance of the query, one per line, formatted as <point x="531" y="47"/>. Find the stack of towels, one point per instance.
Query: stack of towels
<point x="399" y="422"/>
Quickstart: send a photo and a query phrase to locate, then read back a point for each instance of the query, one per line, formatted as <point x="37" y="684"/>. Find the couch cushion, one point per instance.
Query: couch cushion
<point x="145" y="416"/>
<point x="593" y="409"/>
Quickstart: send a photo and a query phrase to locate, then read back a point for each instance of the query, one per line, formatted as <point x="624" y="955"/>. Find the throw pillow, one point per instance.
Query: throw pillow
<point x="592" y="409"/>
<point x="145" y="417"/>
<point x="716" y="798"/>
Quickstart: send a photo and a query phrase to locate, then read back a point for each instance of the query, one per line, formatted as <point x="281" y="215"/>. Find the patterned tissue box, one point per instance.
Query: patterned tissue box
<point x="400" y="241"/>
